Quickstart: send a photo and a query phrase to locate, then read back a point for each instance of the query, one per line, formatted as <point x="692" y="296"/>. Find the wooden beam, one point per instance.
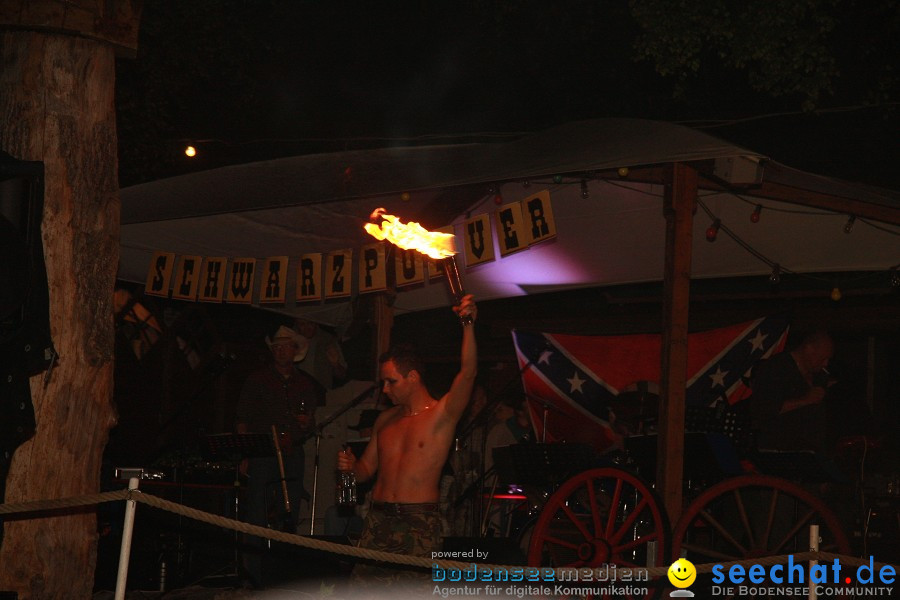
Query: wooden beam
<point x="680" y="197"/>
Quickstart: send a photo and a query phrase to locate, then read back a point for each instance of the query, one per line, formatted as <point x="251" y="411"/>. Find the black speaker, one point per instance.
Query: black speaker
<point x="25" y="345"/>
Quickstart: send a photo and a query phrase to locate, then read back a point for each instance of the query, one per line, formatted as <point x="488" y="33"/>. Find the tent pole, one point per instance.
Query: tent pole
<point x="384" y="322"/>
<point x="679" y="202"/>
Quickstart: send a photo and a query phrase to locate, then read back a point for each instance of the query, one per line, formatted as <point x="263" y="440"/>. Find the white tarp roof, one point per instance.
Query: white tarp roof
<point x="616" y="235"/>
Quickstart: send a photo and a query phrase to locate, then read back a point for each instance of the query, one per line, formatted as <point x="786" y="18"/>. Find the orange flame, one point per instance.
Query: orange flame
<point x="411" y="236"/>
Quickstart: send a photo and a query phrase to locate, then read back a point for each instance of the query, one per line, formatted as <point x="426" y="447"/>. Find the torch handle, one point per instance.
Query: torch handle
<point x="454" y="280"/>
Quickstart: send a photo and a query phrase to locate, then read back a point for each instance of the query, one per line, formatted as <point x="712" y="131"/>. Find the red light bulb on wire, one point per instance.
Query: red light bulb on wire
<point x="754" y="217"/>
<point x="713" y="230"/>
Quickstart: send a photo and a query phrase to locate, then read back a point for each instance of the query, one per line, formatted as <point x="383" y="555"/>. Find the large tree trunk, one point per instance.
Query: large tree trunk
<point x="57" y="105"/>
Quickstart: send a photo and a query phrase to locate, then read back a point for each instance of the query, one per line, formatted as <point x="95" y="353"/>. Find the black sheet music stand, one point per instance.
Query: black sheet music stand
<point x="237" y="446"/>
<point x="234" y="447"/>
<point x="542" y="464"/>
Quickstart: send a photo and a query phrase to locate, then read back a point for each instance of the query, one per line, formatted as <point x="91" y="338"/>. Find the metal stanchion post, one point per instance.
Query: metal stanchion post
<point x="813" y="547"/>
<point x="125" y="551"/>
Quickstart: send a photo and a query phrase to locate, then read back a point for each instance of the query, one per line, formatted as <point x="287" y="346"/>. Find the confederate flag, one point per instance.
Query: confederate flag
<point x="574" y="379"/>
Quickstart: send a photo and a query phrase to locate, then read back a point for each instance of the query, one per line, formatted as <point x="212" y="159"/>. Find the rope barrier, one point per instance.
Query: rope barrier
<point x="400" y="559"/>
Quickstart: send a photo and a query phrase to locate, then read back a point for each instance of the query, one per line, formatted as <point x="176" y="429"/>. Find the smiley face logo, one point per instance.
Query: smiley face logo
<point x="682" y="573"/>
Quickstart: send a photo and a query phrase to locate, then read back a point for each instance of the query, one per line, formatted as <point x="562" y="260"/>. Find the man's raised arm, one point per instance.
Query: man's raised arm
<point x="461" y="389"/>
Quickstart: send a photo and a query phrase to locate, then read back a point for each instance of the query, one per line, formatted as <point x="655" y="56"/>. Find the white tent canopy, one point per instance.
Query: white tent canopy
<point x="614" y="235"/>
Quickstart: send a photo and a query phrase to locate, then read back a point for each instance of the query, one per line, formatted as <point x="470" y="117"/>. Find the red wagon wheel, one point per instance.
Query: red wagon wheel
<point x="752" y="516"/>
<point x="598" y="518"/>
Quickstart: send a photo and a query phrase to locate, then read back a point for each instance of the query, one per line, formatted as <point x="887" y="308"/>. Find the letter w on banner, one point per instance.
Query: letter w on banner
<point x="574" y="379"/>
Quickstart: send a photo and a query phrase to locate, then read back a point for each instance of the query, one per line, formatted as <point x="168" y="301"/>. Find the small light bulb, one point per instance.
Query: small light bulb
<point x="190" y="151"/>
<point x="623" y="171"/>
<point x="713" y="230"/>
<point x="557" y="179"/>
<point x="895" y="277"/>
<point x="775" y="277"/>
<point x="498" y="199"/>
<point x="754" y="216"/>
<point x="836" y="294"/>
<point x="525" y="183"/>
<point x="584" y="189"/>
<point x="849" y="225"/>
<point x="405" y="196"/>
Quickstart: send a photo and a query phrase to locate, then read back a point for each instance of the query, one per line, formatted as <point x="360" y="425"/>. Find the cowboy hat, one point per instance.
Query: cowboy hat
<point x="286" y="334"/>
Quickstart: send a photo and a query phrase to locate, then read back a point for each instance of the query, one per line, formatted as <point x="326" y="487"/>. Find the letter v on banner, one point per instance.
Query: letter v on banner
<point x="479" y="243"/>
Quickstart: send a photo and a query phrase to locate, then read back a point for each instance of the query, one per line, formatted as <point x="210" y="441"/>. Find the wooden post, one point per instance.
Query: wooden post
<point x="384" y="322"/>
<point x="57" y="106"/>
<point x="681" y="194"/>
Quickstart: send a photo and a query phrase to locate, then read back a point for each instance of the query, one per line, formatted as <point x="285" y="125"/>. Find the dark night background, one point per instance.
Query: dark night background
<point x="811" y="83"/>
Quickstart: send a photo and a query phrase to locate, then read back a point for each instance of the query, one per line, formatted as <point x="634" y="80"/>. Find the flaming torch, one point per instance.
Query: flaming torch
<point x="412" y="236"/>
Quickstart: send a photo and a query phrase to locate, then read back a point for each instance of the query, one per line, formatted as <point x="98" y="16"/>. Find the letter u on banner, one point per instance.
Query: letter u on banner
<point x="372" y="268"/>
<point x="409" y="267"/>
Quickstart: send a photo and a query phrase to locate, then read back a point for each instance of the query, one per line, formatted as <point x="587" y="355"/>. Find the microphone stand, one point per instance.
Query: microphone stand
<point x="318" y="433"/>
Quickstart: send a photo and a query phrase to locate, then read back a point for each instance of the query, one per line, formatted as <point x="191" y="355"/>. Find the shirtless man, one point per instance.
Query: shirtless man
<point x="407" y="450"/>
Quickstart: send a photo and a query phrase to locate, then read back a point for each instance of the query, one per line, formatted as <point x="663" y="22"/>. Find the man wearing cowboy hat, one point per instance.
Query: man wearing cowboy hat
<point x="285" y="397"/>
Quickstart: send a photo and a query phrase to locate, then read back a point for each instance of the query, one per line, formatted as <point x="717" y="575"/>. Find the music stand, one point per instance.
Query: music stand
<point x="542" y="464"/>
<point x="234" y="447"/>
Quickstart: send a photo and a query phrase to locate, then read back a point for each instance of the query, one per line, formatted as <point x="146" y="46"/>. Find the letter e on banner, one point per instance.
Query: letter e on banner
<point x="273" y="282"/>
<point x="337" y="273"/>
<point x="434" y="268"/>
<point x="537" y="212"/>
<point x="478" y="240"/>
<point x="409" y="267"/>
<point x="309" y="277"/>
<point x="240" y="284"/>
<point x="510" y="234"/>
<point x="212" y="279"/>
<point x="187" y="277"/>
<point x="372" y="268"/>
<point x="160" y="274"/>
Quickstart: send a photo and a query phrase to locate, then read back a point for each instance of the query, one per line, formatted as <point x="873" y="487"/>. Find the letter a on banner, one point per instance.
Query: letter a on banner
<point x="240" y="284"/>
<point x="409" y="267"/>
<point x="309" y="277"/>
<point x="372" y="268"/>
<point x="478" y="240"/>
<point x="510" y="232"/>
<point x="537" y="213"/>
<point x="212" y="279"/>
<point x="274" y="280"/>
<point x="187" y="277"/>
<point x="160" y="274"/>
<point x="337" y="273"/>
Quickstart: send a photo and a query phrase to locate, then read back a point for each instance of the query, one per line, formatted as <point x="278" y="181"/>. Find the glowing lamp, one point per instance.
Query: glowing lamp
<point x="713" y="230"/>
<point x="754" y="216"/>
<point x="836" y="294"/>
<point x="190" y="152"/>
<point x="848" y="227"/>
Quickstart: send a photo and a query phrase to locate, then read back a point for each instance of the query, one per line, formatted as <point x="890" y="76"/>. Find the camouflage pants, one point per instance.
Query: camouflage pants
<point x="412" y="533"/>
